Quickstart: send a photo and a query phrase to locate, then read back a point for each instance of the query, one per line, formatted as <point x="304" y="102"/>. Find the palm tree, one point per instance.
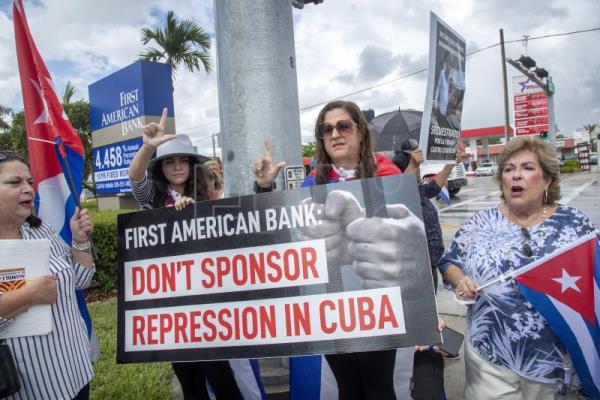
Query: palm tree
<point x="177" y="43"/>
<point x="68" y="93"/>
<point x="590" y="128"/>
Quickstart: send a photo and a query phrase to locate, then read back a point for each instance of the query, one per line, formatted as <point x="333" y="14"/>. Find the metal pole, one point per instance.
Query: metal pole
<point x="551" y="114"/>
<point x="505" y="86"/>
<point x="214" y="146"/>
<point x="258" y="91"/>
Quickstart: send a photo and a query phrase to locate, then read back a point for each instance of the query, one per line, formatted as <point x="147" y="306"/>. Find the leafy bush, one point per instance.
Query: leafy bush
<point x="105" y="239"/>
<point x="570" y="166"/>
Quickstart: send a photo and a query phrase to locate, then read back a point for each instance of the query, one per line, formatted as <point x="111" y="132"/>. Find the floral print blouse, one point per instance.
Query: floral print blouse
<point x="502" y="326"/>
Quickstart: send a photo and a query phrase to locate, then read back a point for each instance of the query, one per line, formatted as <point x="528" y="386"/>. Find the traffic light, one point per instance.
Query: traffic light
<point x="544" y="135"/>
<point x="527" y="62"/>
<point x="541" y="72"/>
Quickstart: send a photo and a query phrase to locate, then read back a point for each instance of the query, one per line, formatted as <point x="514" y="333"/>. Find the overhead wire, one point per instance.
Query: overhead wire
<point x="387" y="82"/>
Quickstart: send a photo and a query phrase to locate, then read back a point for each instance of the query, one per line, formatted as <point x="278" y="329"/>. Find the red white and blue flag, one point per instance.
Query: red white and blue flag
<point x="445" y="194"/>
<point x="51" y="139"/>
<point x="564" y="288"/>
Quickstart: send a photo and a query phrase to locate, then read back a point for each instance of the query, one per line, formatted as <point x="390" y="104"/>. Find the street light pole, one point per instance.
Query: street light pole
<point x="505" y="84"/>
<point x="258" y="91"/>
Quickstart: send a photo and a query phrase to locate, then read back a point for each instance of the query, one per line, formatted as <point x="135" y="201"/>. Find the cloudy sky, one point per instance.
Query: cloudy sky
<point x="342" y="46"/>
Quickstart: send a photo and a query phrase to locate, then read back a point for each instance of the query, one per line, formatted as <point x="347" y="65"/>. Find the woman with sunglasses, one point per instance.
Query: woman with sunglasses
<point x="511" y="352"/>
<point x="56" y="365"/>
<point x="344" y="151"/>
<point x="171" y="183"/>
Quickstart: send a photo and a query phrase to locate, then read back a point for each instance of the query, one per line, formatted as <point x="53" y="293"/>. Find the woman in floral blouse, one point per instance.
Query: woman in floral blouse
<point x="511" y="350"/>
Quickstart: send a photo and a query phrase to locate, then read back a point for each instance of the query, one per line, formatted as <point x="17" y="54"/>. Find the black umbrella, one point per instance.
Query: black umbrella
<point x="389" y="130"/>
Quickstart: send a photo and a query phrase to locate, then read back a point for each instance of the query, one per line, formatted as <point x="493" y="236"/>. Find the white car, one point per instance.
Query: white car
<point x="456" y="180"/>
<point x="485" y="169"/>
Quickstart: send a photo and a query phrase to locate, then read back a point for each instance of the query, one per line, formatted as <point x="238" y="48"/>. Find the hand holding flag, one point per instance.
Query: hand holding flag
<point x="564" y="287"/>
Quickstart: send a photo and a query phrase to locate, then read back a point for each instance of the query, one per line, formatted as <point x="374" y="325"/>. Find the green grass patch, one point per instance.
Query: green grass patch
<point x="123" y="381"/>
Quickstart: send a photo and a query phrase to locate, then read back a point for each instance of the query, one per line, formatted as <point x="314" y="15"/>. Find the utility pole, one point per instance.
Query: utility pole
<point x="258" y="90"/>
<point x="505" y="86"/>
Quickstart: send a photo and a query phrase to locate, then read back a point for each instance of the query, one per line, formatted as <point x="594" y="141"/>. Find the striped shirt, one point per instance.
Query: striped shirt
<point x="143" y="191"/>
<point x="57" y="365"/>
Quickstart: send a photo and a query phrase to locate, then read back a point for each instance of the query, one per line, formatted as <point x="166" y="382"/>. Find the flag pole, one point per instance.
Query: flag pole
<point x="71" y="184"/>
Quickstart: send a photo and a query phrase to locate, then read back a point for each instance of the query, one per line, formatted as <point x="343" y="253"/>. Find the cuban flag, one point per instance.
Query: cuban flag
<point x="445" y="194"/>
<point x="52" y="142"/>
<point x="312" y="379"/>
<point x="564" y="288"/>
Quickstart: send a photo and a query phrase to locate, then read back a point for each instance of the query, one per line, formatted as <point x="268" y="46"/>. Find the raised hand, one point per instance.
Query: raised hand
<point x="385" y="250"/>
<point x="265" y="171"/>
<point x="81" y="225"/>
<point x="154" y="134"/>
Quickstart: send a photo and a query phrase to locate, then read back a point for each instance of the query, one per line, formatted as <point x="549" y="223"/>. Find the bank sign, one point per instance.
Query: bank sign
<point x="120" y="105"/>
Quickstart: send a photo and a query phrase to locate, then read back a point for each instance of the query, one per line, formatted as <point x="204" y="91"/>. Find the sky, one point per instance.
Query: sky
<point x="342" y="46"/>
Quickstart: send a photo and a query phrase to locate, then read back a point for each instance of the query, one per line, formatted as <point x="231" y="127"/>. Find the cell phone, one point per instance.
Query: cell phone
<point x="452" y="340"/>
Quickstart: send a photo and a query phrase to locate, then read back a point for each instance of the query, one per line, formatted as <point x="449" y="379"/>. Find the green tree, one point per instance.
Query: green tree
<point x="178" y="43"/>
<point x="590" y="128"/>
<point x="4" y="111"/>
<point x="79" y="115"/>
<point x="309" y="149"/>
<point x="18" y="135"/>
<point x="68" y="93"/>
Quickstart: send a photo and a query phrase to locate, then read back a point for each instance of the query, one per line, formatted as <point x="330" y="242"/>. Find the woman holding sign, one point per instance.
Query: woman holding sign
<point x="56" y="365"/>
<point x="344" y="151"/>
<point x="175" y="172"/>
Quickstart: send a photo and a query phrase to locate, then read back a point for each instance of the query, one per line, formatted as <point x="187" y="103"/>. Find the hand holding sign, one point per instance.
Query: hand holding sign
<point x="43" y="289"/>
<point x="384" y="249"/>
<point x="264" y="169"/>
<point x="154" y="134"/>
<point x="339" y="210"/>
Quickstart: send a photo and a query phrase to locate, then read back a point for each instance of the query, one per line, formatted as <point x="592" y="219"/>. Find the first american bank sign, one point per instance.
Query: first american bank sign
<point x="231" y="279"/>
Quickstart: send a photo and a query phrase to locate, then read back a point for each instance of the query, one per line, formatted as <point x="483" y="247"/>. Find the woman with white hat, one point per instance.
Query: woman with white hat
<point x="171" y="183"/>
<point x="172" y="170"/>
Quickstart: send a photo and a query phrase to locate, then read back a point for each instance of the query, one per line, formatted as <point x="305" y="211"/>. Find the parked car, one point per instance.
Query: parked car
<point x="593" y="158"/>
<point x="456" y="180"/>
<point x="485" y="169"/>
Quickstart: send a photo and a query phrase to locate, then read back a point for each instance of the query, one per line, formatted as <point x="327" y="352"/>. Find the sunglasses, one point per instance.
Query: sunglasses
<point x="343" y="127"/>
<point x="526" y="249"/>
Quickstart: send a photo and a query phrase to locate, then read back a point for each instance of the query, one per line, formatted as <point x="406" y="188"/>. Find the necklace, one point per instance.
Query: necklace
<point x="515" y="221"/>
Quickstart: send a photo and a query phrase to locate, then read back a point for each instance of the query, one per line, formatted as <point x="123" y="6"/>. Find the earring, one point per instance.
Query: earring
<point x="545" y="196"/>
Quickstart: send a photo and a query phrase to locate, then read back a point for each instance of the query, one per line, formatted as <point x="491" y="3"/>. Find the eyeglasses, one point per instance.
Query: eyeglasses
<point x="343" y="127"/>
<point x="526" y="249"/>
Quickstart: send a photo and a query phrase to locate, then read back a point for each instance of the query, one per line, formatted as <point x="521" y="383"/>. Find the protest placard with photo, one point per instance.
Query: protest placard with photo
<point x="440" y="128"/>
<point x="326" y="269"/>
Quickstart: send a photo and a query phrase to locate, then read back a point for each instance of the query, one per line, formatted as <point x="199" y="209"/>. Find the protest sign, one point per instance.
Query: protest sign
<point x="272" y="275"/>
<point x="440" y="128"/>
<point x="23" y="260"/>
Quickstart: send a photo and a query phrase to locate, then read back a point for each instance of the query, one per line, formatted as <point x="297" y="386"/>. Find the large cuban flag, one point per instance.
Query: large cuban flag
<point x="564" y="288"/>
<point x="51" y="140"/>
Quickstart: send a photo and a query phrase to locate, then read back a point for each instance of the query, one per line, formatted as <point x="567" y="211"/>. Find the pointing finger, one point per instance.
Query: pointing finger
<point x="268" y="149"/>
<point x="163" y="117"/>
